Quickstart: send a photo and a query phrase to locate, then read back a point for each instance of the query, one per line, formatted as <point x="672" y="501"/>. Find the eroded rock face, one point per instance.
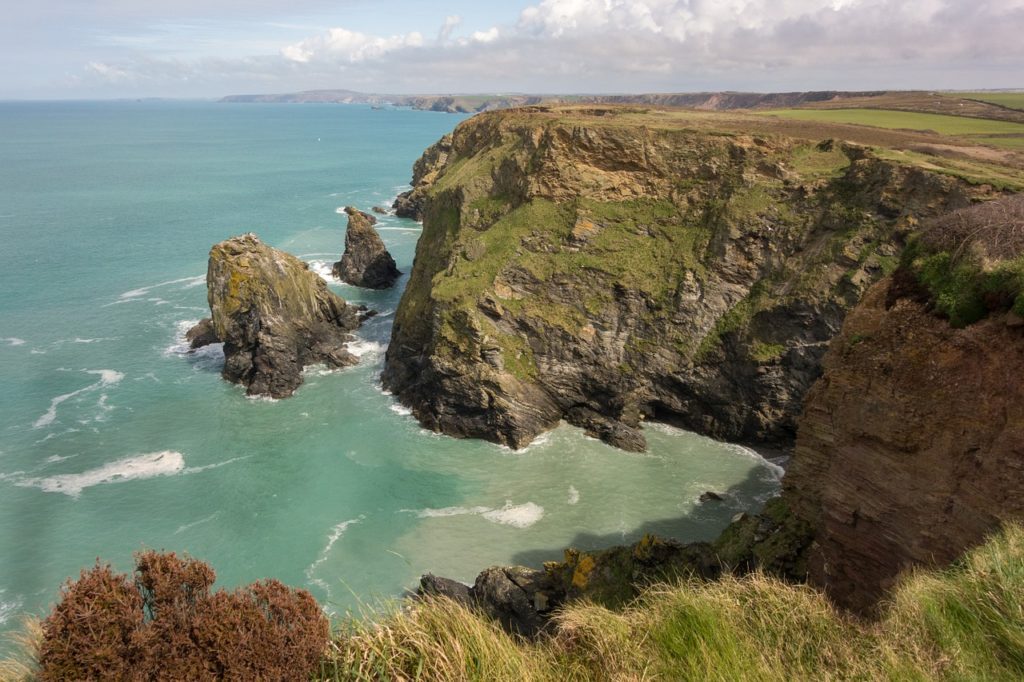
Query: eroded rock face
<point x="911" y="447"/>
<point x="424" y="172"/>
<point x="574" y="266"/>
<point x="274" y="316"/>
<point x="366" y="261"/>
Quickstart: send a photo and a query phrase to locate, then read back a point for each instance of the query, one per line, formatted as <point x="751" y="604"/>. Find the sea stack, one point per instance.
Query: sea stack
<point x="274" y="316"/>
<point x="366" y="262"/>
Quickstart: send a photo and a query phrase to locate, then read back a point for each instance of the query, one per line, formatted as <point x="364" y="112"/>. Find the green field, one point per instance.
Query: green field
<point x="980" y="130"/>
<point x="1013" y="100"/>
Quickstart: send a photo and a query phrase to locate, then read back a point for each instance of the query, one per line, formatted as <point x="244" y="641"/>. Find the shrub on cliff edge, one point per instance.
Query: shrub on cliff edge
<point x="164" y="623"/>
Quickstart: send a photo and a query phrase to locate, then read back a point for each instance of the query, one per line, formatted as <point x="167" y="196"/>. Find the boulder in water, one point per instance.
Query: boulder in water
<point x="274" y="315"/>
<point x="366" y="262"/>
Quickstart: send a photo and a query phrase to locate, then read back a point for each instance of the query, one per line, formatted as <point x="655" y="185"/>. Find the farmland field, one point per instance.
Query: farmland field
<point x="1013" y="100"/>
<point x="997" y="133"/>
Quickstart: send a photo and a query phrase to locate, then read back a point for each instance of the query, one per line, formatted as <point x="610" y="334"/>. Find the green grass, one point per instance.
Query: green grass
<point x="1012" y="100"/>
<point x="905" y="120"/>
<point x="962" y="623"/>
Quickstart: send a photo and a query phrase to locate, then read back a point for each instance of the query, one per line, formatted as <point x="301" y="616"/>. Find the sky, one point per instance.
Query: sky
<point x="71" y="49"/>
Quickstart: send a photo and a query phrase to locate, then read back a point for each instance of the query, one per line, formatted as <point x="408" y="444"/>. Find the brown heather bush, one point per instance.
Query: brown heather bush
<point x="164" y="624"/>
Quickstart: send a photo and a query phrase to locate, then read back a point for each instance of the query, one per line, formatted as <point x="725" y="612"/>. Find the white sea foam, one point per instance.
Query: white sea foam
<point x="538" y="442"/>
<point x="142" y="291"/>
<point x="207" y="357"/>
<point x="215" y="465"/>
<point x="574" y="495"/>
<point x="190" y="526"/>
<point x="14" y="341"/>
<point x="8" y="608"/>
<point x="515" y="515"/>
<point x="108" y="377"/>
<point x="400" y="409"/>
<point x="79" y="339"/>
<point x="365" y="350"/>
<point x="324" y="269"/>
<point x="166" y="463"/>
<point x="447" y="511"/>
<point x="336" y="532"/>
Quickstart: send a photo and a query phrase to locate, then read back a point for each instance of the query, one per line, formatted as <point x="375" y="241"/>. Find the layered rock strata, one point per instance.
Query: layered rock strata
<point x="366" y="261"/>
<point x="610" y="266"/>
<point x="274" y="316"/>
<point x="911" y="447"/>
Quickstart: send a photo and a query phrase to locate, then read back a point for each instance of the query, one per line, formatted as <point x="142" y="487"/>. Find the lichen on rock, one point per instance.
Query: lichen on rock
<point x="274" y="316"/>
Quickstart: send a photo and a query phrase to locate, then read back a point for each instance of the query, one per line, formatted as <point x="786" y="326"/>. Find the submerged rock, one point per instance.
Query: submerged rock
<point x="366" y="261"/>
<point x="274" y="316"/>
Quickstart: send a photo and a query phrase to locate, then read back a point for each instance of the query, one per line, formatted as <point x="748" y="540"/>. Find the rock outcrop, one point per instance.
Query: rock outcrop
<point x="608" y="266"/>
<point x="523" y="599"/>
<point x="274" y="316"/>
<point x="424" y="173"/>
<point x="911" y="447"/>
<point x="366" y="261"/>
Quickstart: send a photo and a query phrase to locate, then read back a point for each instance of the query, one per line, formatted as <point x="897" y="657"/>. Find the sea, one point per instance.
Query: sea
<point x="114" y="438"/>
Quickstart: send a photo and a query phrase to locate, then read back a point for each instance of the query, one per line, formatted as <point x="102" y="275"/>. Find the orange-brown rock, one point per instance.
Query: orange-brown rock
<point x="911" y="446"/>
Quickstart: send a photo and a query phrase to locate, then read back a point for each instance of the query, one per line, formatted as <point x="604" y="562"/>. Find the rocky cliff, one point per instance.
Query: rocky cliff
<point x="274" y="317"/>
<point x="366" y="261"/>
<point x="911" y="447"/>
<point x="609" y="265"/>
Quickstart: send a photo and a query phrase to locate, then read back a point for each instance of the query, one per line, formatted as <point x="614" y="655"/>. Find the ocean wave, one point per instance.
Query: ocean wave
<point x="13" y="341"/>
<point x="142" y="291"/>
<point x="8" y="608"/>
<point x="574" y="495"/>
<point x="366" y="350"/>
<point x="207" y="357"/>
<point x="335" y="534"/>
<point x="108" y="377"/>
<point x="139" y="467"/>
<point x="538" y="442"/>
<point x="190" y="526"/>
<point x="515" y="515"/>
<point x="325" y="270"/>
<point x="101" y="339"/>
<point x="400" y="409"/>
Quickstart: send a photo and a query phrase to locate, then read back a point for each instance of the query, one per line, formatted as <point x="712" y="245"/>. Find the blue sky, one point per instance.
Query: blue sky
<point x="209" y="48"/>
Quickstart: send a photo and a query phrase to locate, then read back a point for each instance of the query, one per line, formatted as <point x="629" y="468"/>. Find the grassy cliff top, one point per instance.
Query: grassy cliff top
<point x="979" y="150"/>
<point x="961" y="623"/>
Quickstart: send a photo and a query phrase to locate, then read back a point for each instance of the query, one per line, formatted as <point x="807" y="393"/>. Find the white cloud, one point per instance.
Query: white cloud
<point x="651" y="45"/>
<point x="348" y="46"/>
<point x="488" y="36"/>
<point x="449" y="25"/>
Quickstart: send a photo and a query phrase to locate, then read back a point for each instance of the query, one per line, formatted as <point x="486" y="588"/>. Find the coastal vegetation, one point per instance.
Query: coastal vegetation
<point x="962" y="622"/>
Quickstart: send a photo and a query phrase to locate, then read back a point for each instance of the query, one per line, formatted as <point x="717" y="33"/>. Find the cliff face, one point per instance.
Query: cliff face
<point x="274" y="316"/>
<point x="609" y="266"/>
<point x="911" y="448"/>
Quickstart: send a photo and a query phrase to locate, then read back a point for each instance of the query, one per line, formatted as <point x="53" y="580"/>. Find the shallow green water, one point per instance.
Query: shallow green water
<point x="112" y="438"/>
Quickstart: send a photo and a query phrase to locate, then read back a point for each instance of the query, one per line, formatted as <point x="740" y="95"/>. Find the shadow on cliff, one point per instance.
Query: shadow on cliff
<point x="704" y="522"/>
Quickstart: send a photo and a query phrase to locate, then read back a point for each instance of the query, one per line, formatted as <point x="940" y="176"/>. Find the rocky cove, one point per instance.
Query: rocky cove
<point x="610" y="266"/>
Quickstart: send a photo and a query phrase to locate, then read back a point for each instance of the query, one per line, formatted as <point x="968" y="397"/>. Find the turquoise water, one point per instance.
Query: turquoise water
<point x="114" y="439"/>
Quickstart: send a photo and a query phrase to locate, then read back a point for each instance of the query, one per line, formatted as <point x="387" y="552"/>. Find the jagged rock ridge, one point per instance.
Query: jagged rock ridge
<point x="274" y="316"/>
<point x="366" y="261"/>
